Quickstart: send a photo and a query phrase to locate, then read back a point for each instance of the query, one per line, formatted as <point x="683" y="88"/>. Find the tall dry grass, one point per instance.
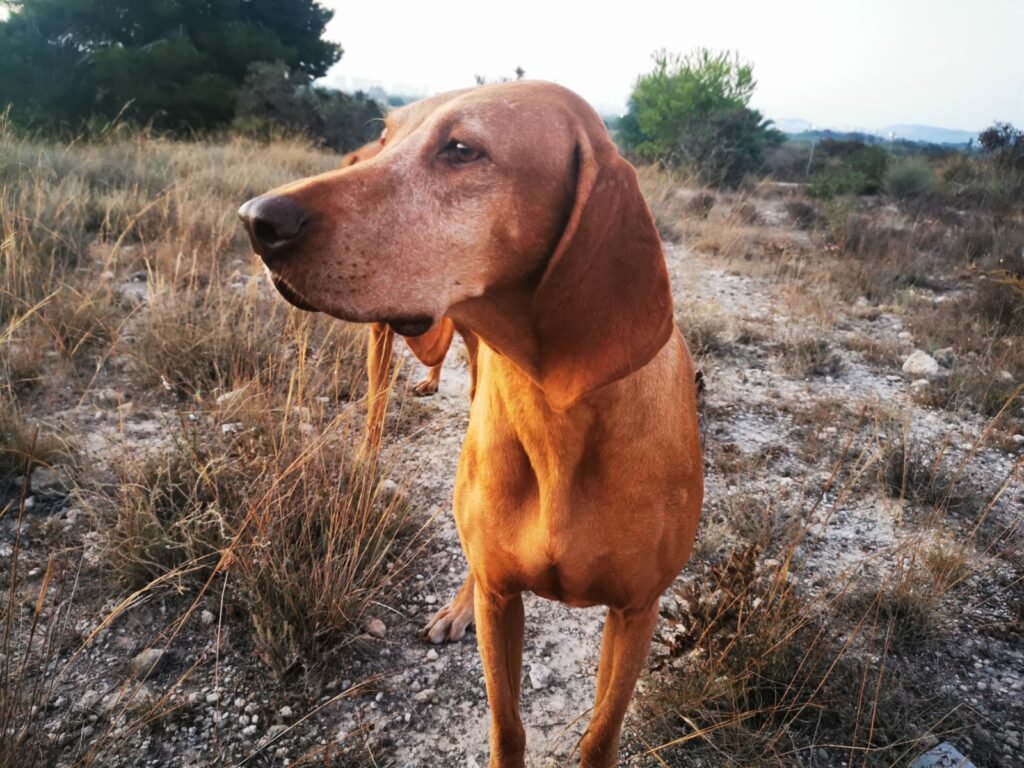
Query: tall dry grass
<point x="763" y="660"/>
<point x="125" y="278"/>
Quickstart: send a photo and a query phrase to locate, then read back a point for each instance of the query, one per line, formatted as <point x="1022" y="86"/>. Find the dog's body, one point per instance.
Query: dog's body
<point x="508" y="210"/>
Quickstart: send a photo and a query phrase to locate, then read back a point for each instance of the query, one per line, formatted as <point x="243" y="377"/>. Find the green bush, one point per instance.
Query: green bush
<point x="847" y="168"/>
<point x="692" y="112"/>
<point x="910" y="177"/>
<point x="837" y="180"/>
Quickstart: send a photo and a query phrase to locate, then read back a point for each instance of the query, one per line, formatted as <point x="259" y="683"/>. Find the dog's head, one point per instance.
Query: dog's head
<point x="471" y="193"/>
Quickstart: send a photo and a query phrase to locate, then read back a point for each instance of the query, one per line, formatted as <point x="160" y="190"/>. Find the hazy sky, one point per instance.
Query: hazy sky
<point x="836" y="63"/>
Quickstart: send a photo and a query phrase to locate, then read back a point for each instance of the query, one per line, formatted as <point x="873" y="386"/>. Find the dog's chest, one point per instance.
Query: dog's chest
<point x="549" y="522"/>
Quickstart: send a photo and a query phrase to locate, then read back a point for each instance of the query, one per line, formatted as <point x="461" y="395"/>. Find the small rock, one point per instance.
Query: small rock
<point x="920" y="363"/>
<point x="426" y="696"/>
<point x="943" y="756"/>
<point x="1018" y="439"/>
<point x="540" y="676"/>
<point x="108" y="276"/>
<point x="285" y="712"/>
<point x="920" y="385"/>
<point x="149" y="662"/>
<point x="229" y="397"/>
<point x="231" y="427"/>
<point x="50" y="481"/>
<point x="206" y="617"/>
<point x="212" y="698"/>
<point x="388" y="488"/>
<point x="376" y="628"/>
<point x="432" y="655"/>
<point x="89" y="700"/>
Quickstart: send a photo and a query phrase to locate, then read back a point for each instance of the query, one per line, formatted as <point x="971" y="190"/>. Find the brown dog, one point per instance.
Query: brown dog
<point x="509" y="210"/>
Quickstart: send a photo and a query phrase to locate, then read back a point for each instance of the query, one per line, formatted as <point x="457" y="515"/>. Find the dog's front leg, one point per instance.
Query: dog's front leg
<point x="499" y="632"/>
<point x="624" y="647"/>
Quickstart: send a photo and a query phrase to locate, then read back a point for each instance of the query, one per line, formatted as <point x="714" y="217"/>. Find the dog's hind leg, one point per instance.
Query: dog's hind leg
<point x="428" y="384"/>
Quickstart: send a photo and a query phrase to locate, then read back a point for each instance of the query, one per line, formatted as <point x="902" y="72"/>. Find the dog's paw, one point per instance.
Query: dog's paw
<point x="449" y="624"/>
<point x="427" y="386"/>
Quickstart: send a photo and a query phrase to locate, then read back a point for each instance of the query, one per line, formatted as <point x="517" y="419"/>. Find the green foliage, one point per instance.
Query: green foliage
<point x="910" y="177"/>
<point x="1004" y="146"/>
<point x="275" y="97"/>
<point x="176" y="65"/>
<point x="692" y="111"/>
<point x="847" y="168"/>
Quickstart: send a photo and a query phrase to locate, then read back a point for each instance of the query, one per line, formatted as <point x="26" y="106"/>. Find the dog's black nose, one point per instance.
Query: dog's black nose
<point x="273" y="222"/>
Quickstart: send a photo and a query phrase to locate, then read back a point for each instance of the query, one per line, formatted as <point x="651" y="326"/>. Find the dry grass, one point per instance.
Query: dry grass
<point x="123" y="268"/>
<point x="22" y="445"/>
<point x="756" y="671"/>
<point x="804" y="357"/>
<point x="308" y="536"/>
<point x="671" y="211"/>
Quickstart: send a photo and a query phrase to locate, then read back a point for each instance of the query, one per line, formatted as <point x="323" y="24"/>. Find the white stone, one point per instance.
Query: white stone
<point x="231" y="396"/>
<point x="920" y="363"/>
<point x="426" y="696"/>
<point x="540" y="676"/>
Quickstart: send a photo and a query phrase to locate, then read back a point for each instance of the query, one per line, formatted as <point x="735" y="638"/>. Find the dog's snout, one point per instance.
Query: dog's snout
<point x="273" y="221"/>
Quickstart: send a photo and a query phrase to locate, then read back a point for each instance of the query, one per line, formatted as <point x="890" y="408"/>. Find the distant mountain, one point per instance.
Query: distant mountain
<point x="927" y="134"/>
<point x="793" y="125"/>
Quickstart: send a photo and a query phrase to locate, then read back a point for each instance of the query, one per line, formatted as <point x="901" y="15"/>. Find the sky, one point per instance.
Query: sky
<point x="835" y="63"/>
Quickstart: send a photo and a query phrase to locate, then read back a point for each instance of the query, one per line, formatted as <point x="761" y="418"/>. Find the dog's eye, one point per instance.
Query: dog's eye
<point x="457" y="153"/>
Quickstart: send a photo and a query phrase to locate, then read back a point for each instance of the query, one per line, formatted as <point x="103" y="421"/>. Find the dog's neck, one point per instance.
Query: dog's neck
<point x="501" y="319"/>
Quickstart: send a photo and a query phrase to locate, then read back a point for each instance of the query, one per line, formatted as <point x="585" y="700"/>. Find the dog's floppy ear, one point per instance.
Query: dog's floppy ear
<point x="431" y="347"/>
<point x="603" y="307"/>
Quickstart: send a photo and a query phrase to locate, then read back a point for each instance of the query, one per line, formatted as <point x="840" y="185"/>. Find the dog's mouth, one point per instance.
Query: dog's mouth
<point x="289" y="294"/>
<point x="411" y="326"/>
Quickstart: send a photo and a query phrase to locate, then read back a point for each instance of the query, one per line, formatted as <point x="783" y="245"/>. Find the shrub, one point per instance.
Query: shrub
<point x="910" y="177"/>
<point x="310" y="534"/>
<point x="803" y="214"/>
<point x="847" y="168"/>
<point x="692" y="112"/>
<point x="275" y="98"/>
